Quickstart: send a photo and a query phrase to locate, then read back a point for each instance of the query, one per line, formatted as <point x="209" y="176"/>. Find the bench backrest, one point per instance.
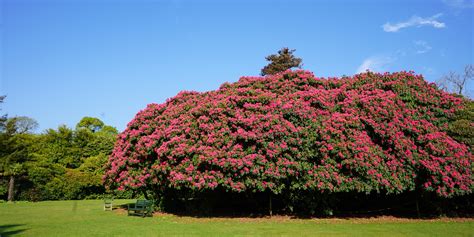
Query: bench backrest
<point x="143" y="203"/>
<point x="108" y="201"/>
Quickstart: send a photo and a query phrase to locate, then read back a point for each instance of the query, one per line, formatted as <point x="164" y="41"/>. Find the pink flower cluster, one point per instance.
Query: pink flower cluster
<point x="369" y="132"/>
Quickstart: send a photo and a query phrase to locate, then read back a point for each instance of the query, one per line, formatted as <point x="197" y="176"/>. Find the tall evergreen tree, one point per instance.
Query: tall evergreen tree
<point x="282" y="61"/>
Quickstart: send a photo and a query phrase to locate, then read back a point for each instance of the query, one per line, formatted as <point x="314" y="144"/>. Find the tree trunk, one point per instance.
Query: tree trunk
<point x="270" y="204"/>
<point x="460" y="90"/>
<point x="418" y="195"/>
<point x="11" y="188"/>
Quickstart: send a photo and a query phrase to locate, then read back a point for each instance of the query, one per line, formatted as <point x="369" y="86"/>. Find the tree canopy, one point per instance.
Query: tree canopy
<point x="15" y="143"/>
<point x="90" y="123"/>
<point x="280" y="62"/>
<point x="60" y="163"/>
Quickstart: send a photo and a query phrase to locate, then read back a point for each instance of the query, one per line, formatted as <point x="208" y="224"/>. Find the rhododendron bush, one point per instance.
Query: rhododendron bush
<point x="294" y="131"/>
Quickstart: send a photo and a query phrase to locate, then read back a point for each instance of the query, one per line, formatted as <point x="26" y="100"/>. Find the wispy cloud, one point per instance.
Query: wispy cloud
<point x="422" y="47"/>
<point x="375" y="64"/>
<point x="415" y="21"/>
<point x="459" y="4"/>
<point x="428" y="70"/>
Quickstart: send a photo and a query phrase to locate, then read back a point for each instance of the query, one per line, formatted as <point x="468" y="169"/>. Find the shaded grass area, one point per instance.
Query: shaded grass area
<point x="87" y="218"/>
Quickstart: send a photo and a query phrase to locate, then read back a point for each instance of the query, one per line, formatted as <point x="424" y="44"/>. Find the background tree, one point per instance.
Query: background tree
<point x="3" y="142"/>
<point x="3" y="118"/>
<point x="282" y="61"/>
<point x="456" y="83"/>
<point x="93" y="124"/>
<point x="15" y="143"/>
<point x="57" y="145"/>
<point x="60" y="163"/>
<point x="68" y="163"/>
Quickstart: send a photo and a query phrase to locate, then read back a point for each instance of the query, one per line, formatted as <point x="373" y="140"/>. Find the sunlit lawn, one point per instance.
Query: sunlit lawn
<point x="87" y="218"/>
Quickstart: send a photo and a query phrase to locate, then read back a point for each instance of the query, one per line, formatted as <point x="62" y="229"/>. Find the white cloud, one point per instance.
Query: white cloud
<point x="422" y="47"/>
<point x="415" y="21"/>
<point x="460" y="4"/>
<point x="375" y="64"/>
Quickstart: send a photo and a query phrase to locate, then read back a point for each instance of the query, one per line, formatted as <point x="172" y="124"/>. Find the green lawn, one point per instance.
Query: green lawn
<point x="86" y="218"/>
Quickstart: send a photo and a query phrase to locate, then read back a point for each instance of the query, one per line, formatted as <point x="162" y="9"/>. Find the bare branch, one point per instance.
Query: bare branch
<point x="455" y="82"/>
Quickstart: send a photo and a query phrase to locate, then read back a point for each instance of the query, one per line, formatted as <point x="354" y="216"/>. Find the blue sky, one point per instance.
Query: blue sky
<point x="63" y="60"/>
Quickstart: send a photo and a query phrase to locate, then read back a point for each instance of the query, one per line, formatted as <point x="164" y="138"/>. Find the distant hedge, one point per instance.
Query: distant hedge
<point x="294" y="132"/>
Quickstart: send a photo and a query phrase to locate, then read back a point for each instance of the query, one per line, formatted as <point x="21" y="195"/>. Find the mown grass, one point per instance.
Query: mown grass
<point x="87" y="218"/>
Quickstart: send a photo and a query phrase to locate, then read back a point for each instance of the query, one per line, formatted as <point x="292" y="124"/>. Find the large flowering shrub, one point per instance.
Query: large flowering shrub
<point x="294" y="131"/>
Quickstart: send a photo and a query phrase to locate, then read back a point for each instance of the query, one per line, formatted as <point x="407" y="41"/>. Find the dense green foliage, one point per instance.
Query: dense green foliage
<point x="461" y="126"/>
<point x="15" y="141"/>
<point x="87" y="218"/>
<point x="58" y="164"/>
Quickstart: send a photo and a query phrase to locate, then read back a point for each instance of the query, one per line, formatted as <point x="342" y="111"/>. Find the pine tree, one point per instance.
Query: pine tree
<point x="282" y="61"/>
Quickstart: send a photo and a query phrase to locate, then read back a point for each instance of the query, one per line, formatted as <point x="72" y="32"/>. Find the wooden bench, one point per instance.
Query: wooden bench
<point x="141" y="208"/>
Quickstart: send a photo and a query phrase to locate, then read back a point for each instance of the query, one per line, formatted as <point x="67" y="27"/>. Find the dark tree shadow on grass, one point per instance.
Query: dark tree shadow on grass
<point x="409" y="205"/>
<point x="10" y="230"/>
